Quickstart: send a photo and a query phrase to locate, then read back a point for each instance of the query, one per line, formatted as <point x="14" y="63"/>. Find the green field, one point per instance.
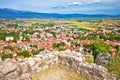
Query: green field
<point x="89" y="24"/>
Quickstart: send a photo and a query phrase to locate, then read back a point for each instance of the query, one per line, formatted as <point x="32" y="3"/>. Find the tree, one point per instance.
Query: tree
<point x="2" y="37"/>
<point x="24" y="53"/>
<point x="26" y="38"/>
<point x="55" y="45"/>
<point x="12" y="25"/>
<point x="35" y="52"/>
<point x="29" y="31"/>
<point x="54" y="34"/>
<point x="92" y="36"/>
<point x="4" y="56"/>
<point x="38" y="35"/>
<point x="59" y="46"/>
<point x="99" y="47"/>
<point x="102" y="36"/>
<point x="8" y="47"/>
<point x="113" y="37"/>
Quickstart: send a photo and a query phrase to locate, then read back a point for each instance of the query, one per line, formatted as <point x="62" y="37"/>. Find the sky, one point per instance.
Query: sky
<point x="111" y="7"/>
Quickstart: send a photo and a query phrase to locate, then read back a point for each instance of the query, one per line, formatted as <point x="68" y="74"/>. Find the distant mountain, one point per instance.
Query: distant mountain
<point x="13" y="14"/>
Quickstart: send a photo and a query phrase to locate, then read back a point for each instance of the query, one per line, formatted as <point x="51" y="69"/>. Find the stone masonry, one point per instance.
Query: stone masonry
<point x="20" y="70"/>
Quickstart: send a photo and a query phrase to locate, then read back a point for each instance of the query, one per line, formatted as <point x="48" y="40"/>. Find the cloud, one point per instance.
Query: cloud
<point x="73" y="4"/>
<point x="77" y="3"/>
<point x="96" y="1"/>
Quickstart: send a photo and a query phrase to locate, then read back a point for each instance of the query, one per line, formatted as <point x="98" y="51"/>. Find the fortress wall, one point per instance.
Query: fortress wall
<point x="77" y="63"/>
<point x="19" y="70"/>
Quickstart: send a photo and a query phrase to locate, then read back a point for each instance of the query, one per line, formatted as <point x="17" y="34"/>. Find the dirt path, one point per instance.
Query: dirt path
<point x="58" y="73"/>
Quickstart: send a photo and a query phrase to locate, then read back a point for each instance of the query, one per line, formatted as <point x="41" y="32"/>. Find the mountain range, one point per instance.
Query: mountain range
<point x="13" y="14"/>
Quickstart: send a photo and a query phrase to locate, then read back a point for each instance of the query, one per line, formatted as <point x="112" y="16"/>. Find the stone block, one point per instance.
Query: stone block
<point x="31" y="61"/>
<point x="1" y="76"/>
<point x="79" y="59"/>
<point x="26" y="75"/>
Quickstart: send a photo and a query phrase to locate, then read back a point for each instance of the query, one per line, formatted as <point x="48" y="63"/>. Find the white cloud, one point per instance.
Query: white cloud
<point x="72" y="4"/>
<point x="76" y="3"/>
<point x="96" y="1"/>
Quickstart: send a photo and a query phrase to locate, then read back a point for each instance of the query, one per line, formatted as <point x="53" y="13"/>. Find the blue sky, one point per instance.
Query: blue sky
<point x="111" y="7"/>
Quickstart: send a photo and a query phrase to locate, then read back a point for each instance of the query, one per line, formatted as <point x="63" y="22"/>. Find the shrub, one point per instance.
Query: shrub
<point x="99" y="47"/>
<point x="4" y="56"/>
<point x="37" y="51"/>
<point x="8" y="47"/>
<point x="24" y="53"/>
<point x="59" y="46"/>
<point x="114" y="66"/>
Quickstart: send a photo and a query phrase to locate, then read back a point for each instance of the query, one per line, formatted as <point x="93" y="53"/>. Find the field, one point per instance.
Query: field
<point x="88" y="24"/>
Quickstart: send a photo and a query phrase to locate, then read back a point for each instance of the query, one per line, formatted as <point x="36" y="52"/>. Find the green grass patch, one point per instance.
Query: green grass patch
<point x="89" y="58"/>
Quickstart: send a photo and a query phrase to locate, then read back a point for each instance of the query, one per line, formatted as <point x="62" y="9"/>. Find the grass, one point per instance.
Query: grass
<point x="114" y="66"/>
<point x="89" y="59"/>
<point x="58" y="72"/>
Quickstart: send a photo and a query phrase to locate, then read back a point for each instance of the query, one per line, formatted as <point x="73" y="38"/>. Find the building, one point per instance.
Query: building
<point x="9" y="38"/>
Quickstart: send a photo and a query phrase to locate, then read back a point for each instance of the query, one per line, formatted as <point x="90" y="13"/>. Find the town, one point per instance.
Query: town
<point x="59" y="39"/>
<point x="21" y="39"/>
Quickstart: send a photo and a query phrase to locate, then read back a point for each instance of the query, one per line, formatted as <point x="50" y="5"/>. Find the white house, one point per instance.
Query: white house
<point x="9" y="38"/>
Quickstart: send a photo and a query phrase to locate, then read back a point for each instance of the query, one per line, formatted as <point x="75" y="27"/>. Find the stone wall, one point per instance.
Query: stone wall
<point x="75" y="61"/>
<point x="19" y="70"/>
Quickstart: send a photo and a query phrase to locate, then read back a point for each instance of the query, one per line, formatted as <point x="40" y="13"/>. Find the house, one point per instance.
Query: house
<point x="19" y="58"/>
<point x="77" y="31"/>
<point x="9" y="38"/>
<point x="7" y="51"/>
<point x="49" y="35"/>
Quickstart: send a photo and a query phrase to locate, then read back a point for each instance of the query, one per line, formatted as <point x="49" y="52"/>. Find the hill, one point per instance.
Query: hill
<point x="13" y="14"/>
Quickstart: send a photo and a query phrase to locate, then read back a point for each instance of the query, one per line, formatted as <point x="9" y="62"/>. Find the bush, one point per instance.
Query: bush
<point x="59" y="46"/>
<point x="99" y="47"/>
<point x="29" y="31"/>
<point x="8" y="47"/>
<point x="114" y="66"/>
<point x="24" y="53"/>
<point x="2" y="37"/>
<point x="37" y="51"/>
<point x="4" y="56"/>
